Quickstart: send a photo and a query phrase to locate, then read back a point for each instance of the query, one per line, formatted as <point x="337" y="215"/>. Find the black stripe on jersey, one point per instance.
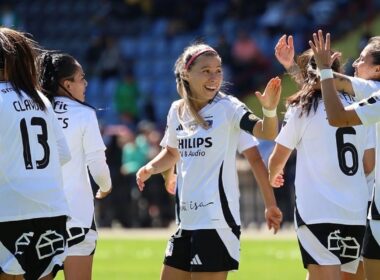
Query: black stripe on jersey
<point x="248" y="122"/>
<point x="177" y="206"/>
<point x="224" y="202"/>
<point x="299" y="220"/>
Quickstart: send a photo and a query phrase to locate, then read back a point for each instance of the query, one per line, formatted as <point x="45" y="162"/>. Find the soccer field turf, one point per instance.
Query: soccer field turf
<point x="141" y="259"/>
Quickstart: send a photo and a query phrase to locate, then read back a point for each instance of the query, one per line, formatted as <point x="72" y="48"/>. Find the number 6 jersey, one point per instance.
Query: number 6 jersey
<point x="330" y="183"/>
<point x="30" y="169"/>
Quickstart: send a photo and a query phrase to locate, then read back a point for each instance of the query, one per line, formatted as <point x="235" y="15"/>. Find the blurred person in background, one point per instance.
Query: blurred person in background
<point x="366" y="88"/>
<point x="322" y="161"/>
<point x="63" y="82"/>
<point x="33" y="206"/>
<point x="125" y="99"/>
<point x="202" y="135"/>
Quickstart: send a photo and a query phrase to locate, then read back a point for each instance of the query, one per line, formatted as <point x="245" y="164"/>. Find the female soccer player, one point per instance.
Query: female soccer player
<point x="364" y="112"/>
<point x="33" y="208"/>
<point x="62" y="80"/>
<point x="331" y="189"/>
<point x="203" y="130"/>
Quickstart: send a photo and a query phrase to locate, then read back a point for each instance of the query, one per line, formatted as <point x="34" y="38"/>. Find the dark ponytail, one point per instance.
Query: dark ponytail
<point x="56" y="67"/>
<point x="48" y="83"/>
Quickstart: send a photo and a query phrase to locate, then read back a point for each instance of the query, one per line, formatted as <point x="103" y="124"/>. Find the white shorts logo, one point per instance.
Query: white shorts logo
<point x="349" y="245"/>
<point x="49" y="244"/>
<point x="23" y="241"/>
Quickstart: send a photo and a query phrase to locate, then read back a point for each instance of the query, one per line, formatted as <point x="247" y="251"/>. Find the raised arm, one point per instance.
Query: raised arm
<point x="267" y="128"/>
<point x="284" y="52"/>
<point x="336" y="113"/>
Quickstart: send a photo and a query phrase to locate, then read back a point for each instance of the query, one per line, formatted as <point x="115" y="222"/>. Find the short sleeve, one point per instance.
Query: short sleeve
<point x="236" y="110"/>
<point x="246" y="141"/>
<point x="172" y="121"/>
<point x="363" y="88"/>
<point x="164" y="140"/>
<point x="92" y="139"/>
<point x="291" y="131"/>
<point x="368" y="110"/>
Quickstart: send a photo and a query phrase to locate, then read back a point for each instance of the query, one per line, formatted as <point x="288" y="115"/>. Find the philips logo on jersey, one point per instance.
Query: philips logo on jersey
<point x="60" y="107"/>
<point x="195" y="143"/>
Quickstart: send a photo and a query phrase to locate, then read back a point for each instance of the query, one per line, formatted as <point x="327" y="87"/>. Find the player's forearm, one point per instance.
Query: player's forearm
<point x="336" y="113"/>
<point x="267" y="128"/>
<point x="165" y="160"/>
<point x="261" y="174"/>
<point x="343" y="83"/>
<point x="294" y="71"/>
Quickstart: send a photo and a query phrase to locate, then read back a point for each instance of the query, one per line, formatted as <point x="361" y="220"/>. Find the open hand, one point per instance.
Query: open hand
<point x="321" y="48"/>
<point x="271" y="96"/>
<point x="284" y="51"/>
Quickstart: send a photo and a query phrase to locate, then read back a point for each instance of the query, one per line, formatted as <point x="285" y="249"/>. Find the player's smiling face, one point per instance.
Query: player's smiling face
<point x="205" y="77"/>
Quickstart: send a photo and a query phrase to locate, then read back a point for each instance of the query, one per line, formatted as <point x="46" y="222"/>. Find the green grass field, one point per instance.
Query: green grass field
<point x="141" y="259"/>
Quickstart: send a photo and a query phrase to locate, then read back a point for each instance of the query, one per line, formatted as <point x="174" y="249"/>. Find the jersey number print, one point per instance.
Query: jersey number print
<point x="345" y="147"/>
<point x="42" y="140"/>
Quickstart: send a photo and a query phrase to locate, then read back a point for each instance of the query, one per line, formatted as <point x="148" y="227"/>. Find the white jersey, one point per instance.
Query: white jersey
<point x="81" y="129"/>
<point x="330" y="183"/>
<point x="207" y="184"/>
<point x="30" y="170"/>
<point x="368" y="111"/>
<point x="245" y="141"/>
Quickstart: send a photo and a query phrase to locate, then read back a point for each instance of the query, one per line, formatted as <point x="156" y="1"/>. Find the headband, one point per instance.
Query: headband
<point x="198" y="53"/>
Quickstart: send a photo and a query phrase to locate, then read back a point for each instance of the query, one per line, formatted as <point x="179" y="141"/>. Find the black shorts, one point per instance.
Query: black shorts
<point x="331" y="244"/>
<point x="204" y="250"/>
<point x="33" y="248"/>
<point x="371" y="245"/>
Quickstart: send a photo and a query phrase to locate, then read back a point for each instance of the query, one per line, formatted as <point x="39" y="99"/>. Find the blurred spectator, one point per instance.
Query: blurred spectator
<point x="248" y="63"/>
<point x="115" y="207"/>
<point x="126" y="98"/>
<point x="92" y="54"/>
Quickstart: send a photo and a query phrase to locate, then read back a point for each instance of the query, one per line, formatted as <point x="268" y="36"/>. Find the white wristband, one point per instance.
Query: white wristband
<point x="326" y="74"/>
<point x="270" y="113"/>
